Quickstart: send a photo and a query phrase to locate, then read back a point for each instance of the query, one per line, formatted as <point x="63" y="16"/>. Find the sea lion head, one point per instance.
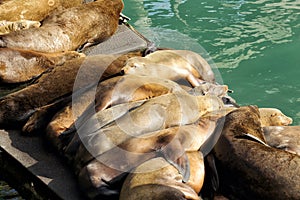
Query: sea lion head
<point x="209" y="88"/>
<point x="245" y="122"/>
<point x="136" y="66"/>
<point x="274" y="117"/>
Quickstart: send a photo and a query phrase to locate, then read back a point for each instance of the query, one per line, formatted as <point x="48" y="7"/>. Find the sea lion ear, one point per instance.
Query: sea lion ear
<point x="176" y="156"/>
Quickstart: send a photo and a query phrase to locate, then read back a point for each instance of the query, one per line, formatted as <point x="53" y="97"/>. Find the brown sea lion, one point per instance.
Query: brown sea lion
<point x="273" y="117"/>
<point x="249" y="169"/>
<point x="56" y="84"/>
<point x="154" y="178"/>
<point x="173" y="65"/>
<point x="157" y="113"/>
<point x="19" y="65"/>
<point x="70" y="28"/>
<point x="7" y="27"/>
<point x="36" y="10"/>
<point x="283" y="137"/>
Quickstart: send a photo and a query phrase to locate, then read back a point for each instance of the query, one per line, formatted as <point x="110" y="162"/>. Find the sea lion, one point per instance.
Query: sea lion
<point x="173" y="65"/>
<point x="273" y="117"/>
<point x="116" y="90"/>
<point x="249" y="169"/>
<point x="7" y="27"/>
<point x="283" y="137"/>
<point x="157" y="113"/>
<point x="62" y="120"/>
<point x="170" y="142"/>
<point x="154" y="178"/>
<point x="19" y="65"/>
<point x="70" y="28"/>
<point x="70" y="138"/>
<point x="127" y="88"/>
<point x="17" y="107"/>
<point x="35" y="10"/>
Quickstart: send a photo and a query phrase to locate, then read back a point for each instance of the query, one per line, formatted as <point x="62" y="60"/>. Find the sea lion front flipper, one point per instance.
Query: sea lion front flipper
<point x="176" y="156"/>
<point x="253" y="137"/>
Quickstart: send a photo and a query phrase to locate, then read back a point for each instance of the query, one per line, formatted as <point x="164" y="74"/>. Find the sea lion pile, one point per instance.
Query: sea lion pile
<point x="136" y="126"/>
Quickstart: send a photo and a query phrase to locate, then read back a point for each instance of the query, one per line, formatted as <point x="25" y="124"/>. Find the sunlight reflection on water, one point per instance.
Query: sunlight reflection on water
<point x="232" y="31"/>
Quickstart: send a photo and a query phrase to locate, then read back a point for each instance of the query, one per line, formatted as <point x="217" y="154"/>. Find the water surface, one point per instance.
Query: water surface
<point x="254" y="44"/>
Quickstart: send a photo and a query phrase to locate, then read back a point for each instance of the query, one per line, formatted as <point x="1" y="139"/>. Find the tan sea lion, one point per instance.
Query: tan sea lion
<point x="127" y="88"/>
<point x="70" y="28"/>
<point x="273" y="117"/>
<point x="19" y="65"/>
<point x="109" y="93"/>
<point x="283" y="137"/>
<point x="70" y="138"/>
<point x="173" y="65"/>
<point x="120" y="89"/>
<point x="7" y="27"/>
<point x="111" y="116"/>
<point x="56" y="84"/>
<point x="157" y="113"/>
<point x="36" y="10"/>
<point x="170" y="143"/>
<point x="249" y="169"/>
<point x="154" y="178"/>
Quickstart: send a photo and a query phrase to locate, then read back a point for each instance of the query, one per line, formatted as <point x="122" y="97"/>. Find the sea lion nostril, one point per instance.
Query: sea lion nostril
<point x="122" y="72"/>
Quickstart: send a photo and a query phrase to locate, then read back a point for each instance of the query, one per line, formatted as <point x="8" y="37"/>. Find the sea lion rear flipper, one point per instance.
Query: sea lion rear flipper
<point x="176" y="156"/>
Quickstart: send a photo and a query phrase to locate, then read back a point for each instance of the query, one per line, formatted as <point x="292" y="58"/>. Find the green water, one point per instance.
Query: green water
<point x="254" y="44"/>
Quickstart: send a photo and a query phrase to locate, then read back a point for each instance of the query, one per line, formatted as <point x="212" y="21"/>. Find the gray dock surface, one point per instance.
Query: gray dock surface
<point x="28" y="163"/>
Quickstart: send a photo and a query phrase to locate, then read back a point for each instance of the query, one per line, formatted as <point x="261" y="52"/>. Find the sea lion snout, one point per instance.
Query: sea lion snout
<point x="285" y="120"/>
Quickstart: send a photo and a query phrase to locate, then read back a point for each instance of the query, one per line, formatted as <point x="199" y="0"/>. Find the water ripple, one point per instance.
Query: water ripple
<point x="256" y="24"/>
